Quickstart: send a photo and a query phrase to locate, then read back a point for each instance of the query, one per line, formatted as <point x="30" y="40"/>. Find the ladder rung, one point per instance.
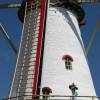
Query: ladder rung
<point x="32" y="15"/>
<point x="27" y="45"/>
<point x="31" y="83"/>
<point x="34" y="49"/>
<point x="26" y="83"/>
<point x="25" y="70"/>
<point x="36" y="22"/>
<point x="34" y="26"/>
<point x="35" y="34"/>
<point x="31" y="57"/>
<point x="29" y="49"/>
<point x="34" y="18"/>
<point x="27" y="37"/>
<point x="29" y="41"/>
<point x="22" y="84"/>
<point x="35" y="37"/>
<point x="23" y="49"/>
<point x="26" y="62"/>
<point x="25" y="79"/>
<point x="25" y="74"/>
<point x="28" y="53"/>
<point x="26" y="50"/>
<point x="30" y="35"/>
<point x="25" y="87"/>
<point x="19" y="68"/>
<point x="26" y="65"/>
<point x="34" y="29"/>
<point x="32" y="8"/>
<point x="34" y="45"/>
<point x="30" y="61"/>
<point x="23" y="92"/>
<point x="35" y="41"/>
<point x="25" y="42"/>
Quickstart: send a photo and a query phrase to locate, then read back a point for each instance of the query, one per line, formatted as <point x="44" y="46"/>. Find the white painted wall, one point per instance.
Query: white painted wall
<point x="60" y="40"/>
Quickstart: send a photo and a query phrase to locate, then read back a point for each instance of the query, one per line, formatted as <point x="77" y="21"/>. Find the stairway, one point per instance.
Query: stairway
<point x="26" y="71"/>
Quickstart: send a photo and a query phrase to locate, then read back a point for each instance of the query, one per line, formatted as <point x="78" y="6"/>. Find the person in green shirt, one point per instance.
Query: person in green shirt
<point x="73" y="89"/>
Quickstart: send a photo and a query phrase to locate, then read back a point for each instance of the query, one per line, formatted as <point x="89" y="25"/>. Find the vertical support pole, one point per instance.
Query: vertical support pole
<point x="92" y="98"/>
<point x="38" y="55"/>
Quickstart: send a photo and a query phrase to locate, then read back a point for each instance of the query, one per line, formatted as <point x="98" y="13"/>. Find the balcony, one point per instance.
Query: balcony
<point x="53" y="97"/>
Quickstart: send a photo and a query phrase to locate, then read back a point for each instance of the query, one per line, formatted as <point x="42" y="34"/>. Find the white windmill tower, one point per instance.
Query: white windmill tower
<point x="51" y="56"/>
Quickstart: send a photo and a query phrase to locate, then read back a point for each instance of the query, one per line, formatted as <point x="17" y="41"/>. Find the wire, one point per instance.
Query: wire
<point x="93" y="34"/>
<point x="8" y="39"/>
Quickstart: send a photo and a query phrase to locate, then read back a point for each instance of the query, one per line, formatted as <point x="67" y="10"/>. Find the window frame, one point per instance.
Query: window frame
<point x="68" y="61"/>
<point x="46" y="93"/>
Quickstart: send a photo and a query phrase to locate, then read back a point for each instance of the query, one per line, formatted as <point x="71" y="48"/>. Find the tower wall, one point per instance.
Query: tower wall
<point x="63" y="37"/>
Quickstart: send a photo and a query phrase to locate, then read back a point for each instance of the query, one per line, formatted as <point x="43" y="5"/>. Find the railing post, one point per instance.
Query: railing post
<point x="92" y="98"/>
<point x="70" y="98"/>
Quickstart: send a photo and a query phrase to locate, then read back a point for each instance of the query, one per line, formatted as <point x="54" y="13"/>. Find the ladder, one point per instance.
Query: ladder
<point x="25" y="77"/>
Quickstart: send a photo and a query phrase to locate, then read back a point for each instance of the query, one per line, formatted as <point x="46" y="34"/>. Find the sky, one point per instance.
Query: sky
<point x="12" y="25"/>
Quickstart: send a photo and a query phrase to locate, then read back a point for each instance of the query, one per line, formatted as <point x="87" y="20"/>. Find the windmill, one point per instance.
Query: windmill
<point x="50" y="57"/>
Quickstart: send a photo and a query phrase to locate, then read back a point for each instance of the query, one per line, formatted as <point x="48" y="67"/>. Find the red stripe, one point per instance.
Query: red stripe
<point x="39" y="46"/>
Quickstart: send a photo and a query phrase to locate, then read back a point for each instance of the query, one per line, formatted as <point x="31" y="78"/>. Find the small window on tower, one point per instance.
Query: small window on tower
<point x="46" y="93"/>
<point x="68" y="61"/>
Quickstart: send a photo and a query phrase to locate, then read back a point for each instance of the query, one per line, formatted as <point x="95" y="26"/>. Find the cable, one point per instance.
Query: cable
<point x="8" y="39"/>
<point x="93" y="34"/>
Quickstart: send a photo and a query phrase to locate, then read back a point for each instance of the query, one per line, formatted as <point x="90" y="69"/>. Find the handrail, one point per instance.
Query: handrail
<point x="54" y="97"/>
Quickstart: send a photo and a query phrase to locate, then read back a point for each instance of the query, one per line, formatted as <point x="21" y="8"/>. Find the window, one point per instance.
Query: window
<point x="46" y="93"/>
<point x="68" y="61"/>
<point x="68" y="64"/>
